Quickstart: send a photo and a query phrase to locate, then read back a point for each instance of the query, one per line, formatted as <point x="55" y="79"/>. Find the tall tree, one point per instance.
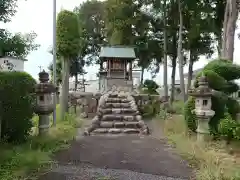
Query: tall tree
<point x="92" y="22"/>
<point x="120" y="17"/>
<point x="165" y="63"/>
<point x="180" y="51"/>
<point x="229" y="26"/>
<point x="142" y="40"/>
<point x="172" y="24"/>
<point x="68" y="45"/>
<point x="198" y="39"/>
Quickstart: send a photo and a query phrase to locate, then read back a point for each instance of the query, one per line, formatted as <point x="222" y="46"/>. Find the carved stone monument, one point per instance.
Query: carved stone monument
<point x="203" y="105"/>
<point x="45" y="105"/>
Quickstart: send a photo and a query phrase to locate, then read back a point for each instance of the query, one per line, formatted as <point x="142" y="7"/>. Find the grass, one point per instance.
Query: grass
<point x="33" y="156"/>
<point x="212" y="160"/>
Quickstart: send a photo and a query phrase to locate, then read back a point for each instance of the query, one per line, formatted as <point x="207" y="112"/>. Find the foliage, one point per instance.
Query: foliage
<point x="176" y="108"/>
<point x="151" y="86"/>
<point x="16" y="105"/>
<point x="227" y="126"/>
<point x="68" y="35"/>
<point x="119" y="19"/>
<point x="211" y="160"/>
<point x="76" y="67"/>
<point x="17" y="161"/>
<point x="58" y="71"/>
<point x="190" y="116"/>
<point x="92" y="22"/>
<point x="151" y="109"/>
<point x="7" y="9"/>
<point x="17" y="45"/>
<point x="220" y="75"/>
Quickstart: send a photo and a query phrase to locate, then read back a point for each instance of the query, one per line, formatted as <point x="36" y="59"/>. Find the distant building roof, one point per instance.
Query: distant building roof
<point x="117" y="52"/>
<point x="14" y="58"/>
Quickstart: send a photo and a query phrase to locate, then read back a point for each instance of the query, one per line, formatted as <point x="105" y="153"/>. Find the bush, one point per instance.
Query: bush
<point x="227" y="126"/>
<point x="16" y="110"/>
<point x="220" y="75"/>
<point x="150" y="87"/>
<point x="151" y="109"/>
<point x="190" y="116"/>
<point x="176" y="108"/>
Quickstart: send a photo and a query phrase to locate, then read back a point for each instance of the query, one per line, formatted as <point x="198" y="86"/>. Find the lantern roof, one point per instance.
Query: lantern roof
<point x="43" y="76"/>
<point x="203" y="89"/>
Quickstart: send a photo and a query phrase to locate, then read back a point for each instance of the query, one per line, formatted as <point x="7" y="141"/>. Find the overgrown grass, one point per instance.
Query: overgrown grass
<point x="16" y="161"/>
<point x="212" y="160"/>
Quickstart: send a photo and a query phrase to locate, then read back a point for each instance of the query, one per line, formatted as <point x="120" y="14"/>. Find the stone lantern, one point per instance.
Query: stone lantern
<point x="203" y="105"/>
<point x="45" y="105"/>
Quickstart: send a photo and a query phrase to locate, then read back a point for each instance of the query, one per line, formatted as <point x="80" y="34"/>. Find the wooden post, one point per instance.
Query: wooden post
<point x="108" y="68"/>
<point x="130" y="71"/>
<point x="124" y="68"/>
<point x="101" y="65"/>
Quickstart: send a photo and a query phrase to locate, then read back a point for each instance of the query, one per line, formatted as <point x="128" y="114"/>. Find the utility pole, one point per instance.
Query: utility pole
<point x="54" y="59"/>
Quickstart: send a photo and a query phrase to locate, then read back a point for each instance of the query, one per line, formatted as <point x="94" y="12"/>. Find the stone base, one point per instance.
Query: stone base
<point x="203" y="137"/>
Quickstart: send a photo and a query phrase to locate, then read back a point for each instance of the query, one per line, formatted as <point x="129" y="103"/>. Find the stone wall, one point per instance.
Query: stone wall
<point x="89" y="101"/>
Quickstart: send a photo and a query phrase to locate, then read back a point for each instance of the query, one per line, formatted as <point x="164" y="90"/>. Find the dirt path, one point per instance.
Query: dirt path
<point x="119" y="158"/>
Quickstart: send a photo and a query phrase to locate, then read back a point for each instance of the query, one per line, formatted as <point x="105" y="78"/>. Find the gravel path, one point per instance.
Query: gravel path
<point x="130" y="157"/>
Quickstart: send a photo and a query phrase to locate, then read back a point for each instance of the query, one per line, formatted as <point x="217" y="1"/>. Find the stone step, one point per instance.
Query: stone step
<point x="116" y="96"/>
<point x="119" y="124"/>
<point x="118" y="117"/>
<point x="117" y="105"/>
<point x="117" y="100"/>
<point x="116" y="131"/>
<point x="118" y="111"/>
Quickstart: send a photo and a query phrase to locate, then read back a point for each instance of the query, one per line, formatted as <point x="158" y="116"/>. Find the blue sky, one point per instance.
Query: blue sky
<point x="36" y="15"/>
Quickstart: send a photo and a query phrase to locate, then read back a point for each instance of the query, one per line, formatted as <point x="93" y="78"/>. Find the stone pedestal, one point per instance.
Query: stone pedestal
<point x="44" y="125"/>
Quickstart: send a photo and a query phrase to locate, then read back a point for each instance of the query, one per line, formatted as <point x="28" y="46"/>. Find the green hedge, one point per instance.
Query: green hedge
<point x="17" y="101"/>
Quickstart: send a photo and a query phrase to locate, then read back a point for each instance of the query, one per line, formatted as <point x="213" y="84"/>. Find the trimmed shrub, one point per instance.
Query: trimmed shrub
<point x="17" y="103"/>
<point x="150" y="86"/>
<point x="189" y="115"/>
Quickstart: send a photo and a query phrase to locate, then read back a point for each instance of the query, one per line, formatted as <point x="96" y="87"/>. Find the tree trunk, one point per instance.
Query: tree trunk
<point x="65" y="88"/>
<point x="142" y="72"/>
<point x="219" y="46"/>
<point x="229" y="26"/>
<point x="173" y="80"/>
<point x="190" y="71"/>
<point x="180" y="56"/>
<point x="165" y="68"/>
<point x="76" y="82"/>
<point x="75" y="88"/>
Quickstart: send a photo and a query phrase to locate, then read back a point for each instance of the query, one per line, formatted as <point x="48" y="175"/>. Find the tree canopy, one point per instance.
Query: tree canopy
<point x="17" y="45"/>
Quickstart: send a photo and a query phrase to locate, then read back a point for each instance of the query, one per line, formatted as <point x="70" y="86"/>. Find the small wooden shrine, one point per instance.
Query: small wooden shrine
<point x="116" y="65"/>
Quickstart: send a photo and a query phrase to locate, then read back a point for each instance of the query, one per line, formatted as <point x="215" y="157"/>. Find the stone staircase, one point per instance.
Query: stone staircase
<point x="117" y="114"/>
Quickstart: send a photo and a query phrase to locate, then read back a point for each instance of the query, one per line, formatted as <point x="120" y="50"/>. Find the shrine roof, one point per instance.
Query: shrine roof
<point x="117" y="52"/>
